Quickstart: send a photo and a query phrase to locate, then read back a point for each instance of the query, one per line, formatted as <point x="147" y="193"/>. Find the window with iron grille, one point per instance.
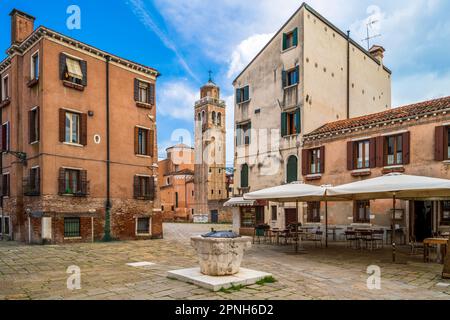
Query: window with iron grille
<point x="143" y="226"/>
<point x="361" y="212"/>
<point x="72" y="228"/>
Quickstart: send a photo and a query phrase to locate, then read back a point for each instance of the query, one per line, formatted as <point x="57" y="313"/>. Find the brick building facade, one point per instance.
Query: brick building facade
<point x="69" y="154"/>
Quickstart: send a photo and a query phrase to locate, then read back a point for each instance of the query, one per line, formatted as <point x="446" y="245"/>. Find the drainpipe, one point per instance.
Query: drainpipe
<point x="1" y="195"/>
<point x="348" y="74"/>
<point x="108" y="205"/>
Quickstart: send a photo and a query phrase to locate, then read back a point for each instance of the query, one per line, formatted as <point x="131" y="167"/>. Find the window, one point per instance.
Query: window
<point x="315" y="161"/>
<point x="313" y="212"/>
<point x="252" y="217"/>
<point x="242" y="94"/>
<point x="5" y="137"/>
<point x="5" y="88"/>
<point x="290" y="123"/>
<point x="73" y="72"/>
<point x="6" y="192"/>
<point x="72" y="228"/>
<point x="274" y="211"/>
<point x="394" y="150"/>
<point x="176" y="199"/>
<point x="33" y="118"/>
<point x="143" y="226"/>
<point x="72" y="181"/>
<point x="32" y="186"/>
<point x="144" y="187"/>
<point x="445" y="213"/>
<point x="290" y="39"/>
<point x="442" y="143"/>
<point x="5" y="225"/>
<point x="291" y="77"/>
<point x="361" y="212"/>
<point x="72" y="130"/>
<point x="244" y="176"/>
<point x="243" y="134"/>
<point x="144" y="92"/>
<point x="362" y="154"/>
<point x="144" y="141"/>
<point x="292" y="169"/>
<point x="219" y="119"/>
<point x="35" y="66"/>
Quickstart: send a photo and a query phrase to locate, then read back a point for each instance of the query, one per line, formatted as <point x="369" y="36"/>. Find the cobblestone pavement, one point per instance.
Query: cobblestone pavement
<point x="39" y="272"/>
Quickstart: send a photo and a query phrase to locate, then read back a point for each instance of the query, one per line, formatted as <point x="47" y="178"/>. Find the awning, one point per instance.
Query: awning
<point x="74" y="69"/>
<point x="239" y="202"/>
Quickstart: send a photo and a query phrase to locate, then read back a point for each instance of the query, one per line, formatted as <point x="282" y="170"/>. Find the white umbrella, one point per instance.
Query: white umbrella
<point x="292" y="192"/>
<point x="395" y="186"/>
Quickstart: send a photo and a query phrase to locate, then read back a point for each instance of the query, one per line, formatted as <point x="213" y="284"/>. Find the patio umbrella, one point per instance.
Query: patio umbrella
<point x="395" y="186"/>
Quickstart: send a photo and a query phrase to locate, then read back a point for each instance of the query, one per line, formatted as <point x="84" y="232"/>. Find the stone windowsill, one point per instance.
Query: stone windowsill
<point x="312" y="177"/>
<point x="393" y="169"/>
<point x="447" y="162"/>
<point x="143" y="156"/>
<point x="291" y="86"/>
<point x="143" y="234"/>
<point x="144" y="105"/>
<point x="74" y="238"/>
<point x="72" y="85"/>
<point x="32" y="83"/>
<point x="5" y="102"/>
<point x="73" y="144"/>
<point x="244" y="102"/>
<point x="289" y="49"/>
<point x="361" y="173"/>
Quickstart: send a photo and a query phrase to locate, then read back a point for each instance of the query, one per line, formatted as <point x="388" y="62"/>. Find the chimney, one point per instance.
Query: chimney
<point x="377" y="52"/>
<point x="22" y="25"/>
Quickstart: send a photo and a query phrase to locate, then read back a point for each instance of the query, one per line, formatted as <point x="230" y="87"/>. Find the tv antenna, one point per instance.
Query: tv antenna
<point x="370" y="37"/>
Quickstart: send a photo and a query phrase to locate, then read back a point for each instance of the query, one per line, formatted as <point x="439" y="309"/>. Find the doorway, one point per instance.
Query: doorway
<point x="422" y="220"/>
<point x="214" y="216"/>
<point x="290" y="216"/>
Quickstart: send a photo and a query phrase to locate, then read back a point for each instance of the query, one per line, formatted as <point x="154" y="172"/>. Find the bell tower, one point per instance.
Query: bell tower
<point x="210" y="154"/>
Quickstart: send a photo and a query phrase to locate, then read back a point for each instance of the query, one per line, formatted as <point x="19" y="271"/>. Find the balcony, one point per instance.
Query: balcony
<point x="80" y="189"/>
<point x="210" y="100"/>
<point x="290" y="97"/>
<point x="31" y="187"/>
<point x="243" y="190"/>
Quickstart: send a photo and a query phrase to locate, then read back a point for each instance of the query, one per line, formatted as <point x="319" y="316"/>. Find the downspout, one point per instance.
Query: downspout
<point x="1" y="174"/>
<point x="348" y="74"/>
<point x="108" y="205"/>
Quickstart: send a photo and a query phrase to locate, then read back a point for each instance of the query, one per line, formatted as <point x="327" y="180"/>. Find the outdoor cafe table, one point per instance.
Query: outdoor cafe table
<point x="442" y="248"/>
<point x="334" y="229"/>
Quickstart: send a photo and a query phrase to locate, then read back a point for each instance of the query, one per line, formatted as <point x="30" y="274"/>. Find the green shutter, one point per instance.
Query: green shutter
<point x="283" y="124"/>
<point x="292" y="169"/>
<point x="284" y="41"/>
<point x="295" y="36"/>
<point x="298" y="126"/>
<point x="238" y="96"/>
<point x="246" y="93"/>
<point x="283" y="79"/>
<point x="297" y="74"/>
<point x="238" y="135"/>
<point x="249" y="133"/>
<point x="244" y="176"/>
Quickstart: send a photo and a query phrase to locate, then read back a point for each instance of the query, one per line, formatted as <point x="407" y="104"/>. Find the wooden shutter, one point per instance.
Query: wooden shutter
<point x="62" y="181"/>
<point x="305" y="162"/>
<point x="350" y="155"/>
<point x="136" y="187"/>
<point x="62" y="125"/>
<point x="150" y="142"/>
<point x="151" y="94"/>
<point x="322" y="159"/>
<point x="373" y="152"/>
<point x="62" y="66"/>
<point x="31" y="128"/>
<point x="152" y="188"/>
<point x="38" y="123"/>
<point x="83" y="129"/>
<point x="439" y="145"/>
<point x="84" y="182"/>
<point x="283" y="79"/>
<point x="298" y="124"/>
<point x="283" y="124"/>
<point x="238" y="96"/>
<point x="83" y="65"/>
<point x="136" y="90"/>
<point x="284" y="41"/>
<point x="406" y="148"/>
<point x="295" y="37"/>
<point x="2" y="144"/>
<point x="380" y="152"/>
<point x="136" y="140"/>
<point x="37" y="180"/>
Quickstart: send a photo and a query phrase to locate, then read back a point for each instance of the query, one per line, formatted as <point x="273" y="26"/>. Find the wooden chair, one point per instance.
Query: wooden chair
<point x="415" y="245"/>
<point x="368" y="238"/>
<point x="378" y="236"/>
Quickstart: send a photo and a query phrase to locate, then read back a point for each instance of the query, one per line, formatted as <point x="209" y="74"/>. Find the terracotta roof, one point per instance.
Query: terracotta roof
<point x="405" y="112"/>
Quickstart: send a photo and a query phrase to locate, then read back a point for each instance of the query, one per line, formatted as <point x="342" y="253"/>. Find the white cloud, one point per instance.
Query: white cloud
<point x="246" y="51"/>
<point x="176" y="100"/>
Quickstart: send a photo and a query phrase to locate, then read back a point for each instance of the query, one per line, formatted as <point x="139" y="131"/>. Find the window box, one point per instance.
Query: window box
<point x="72" y="85"/>
<point x="33" y="82"/>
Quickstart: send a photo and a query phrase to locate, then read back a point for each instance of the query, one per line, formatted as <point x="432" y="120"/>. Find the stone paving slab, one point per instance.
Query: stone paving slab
<point x="40" y="272"/>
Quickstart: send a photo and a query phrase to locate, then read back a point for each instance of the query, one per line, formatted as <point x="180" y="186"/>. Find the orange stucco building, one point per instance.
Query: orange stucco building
<point x="70" y="157"/>
<point x="176" y="182"/>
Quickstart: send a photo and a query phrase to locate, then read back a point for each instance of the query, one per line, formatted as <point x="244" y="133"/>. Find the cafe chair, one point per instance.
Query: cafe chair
<point x="415" y="246"/>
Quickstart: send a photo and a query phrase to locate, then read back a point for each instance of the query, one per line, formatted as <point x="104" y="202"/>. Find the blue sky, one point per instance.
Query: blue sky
<point x="184" y="39"/>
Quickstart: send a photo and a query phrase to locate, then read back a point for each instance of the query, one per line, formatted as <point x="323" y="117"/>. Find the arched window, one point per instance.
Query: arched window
<point x="203" y="116"/>
<point x="244" y="176"/>
<point x="219" y="119"/>
<point x="292" y="169"/>
<point x="199" y="117"/>
<point x="213" y="116"/>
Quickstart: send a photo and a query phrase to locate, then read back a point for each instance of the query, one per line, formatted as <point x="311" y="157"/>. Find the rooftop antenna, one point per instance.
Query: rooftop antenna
<point x="369" y="37"/>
